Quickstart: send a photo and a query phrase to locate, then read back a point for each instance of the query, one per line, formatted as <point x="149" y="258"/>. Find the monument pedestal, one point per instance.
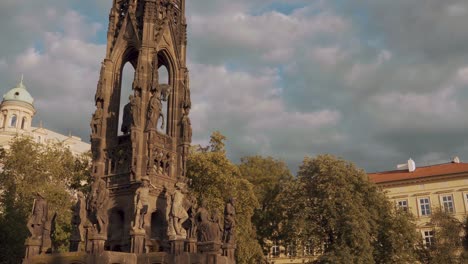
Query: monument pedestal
<point x="229" y="251"/>
<point x="212" y="247"/>
<point x="191" y="245"/>
<point x="97" y="243"/>
<point x="177" y="246"/>
<point x="33" y="247"/>
<point x="138" y="241"/>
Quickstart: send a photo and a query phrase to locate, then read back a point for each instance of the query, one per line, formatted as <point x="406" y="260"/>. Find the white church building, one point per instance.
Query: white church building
<point x="17" y="113"/>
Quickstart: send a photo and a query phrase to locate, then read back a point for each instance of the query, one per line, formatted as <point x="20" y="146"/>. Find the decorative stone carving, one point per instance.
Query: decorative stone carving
<point x="78" y="224"/>
<point x="155" y="112"/>
<point x="208" y="226"/>
<point x="177" y="213"/>
<point x="97" y="206"/>
<point x="99" y="97"/>
<point x="186" y="126"/>
<point x="141" y="203"/>
<point x="96" y="122"/>
<point x="135" y="102"/>
<point x="127" y="117"/>
<point x="38" y="218"/>
<point x="229" y="222"/>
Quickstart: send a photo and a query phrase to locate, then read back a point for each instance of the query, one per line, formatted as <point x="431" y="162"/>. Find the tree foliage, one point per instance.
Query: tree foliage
<point x="350" y="216"/>
<point x="269" y="178"/>
<point x="29" y="167"/>
<point x="448" y="247"/>
<point x="214" y="180"/>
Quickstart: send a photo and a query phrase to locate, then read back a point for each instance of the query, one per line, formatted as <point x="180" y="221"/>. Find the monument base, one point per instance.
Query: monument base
<point x="97" y="243"/>
<point x="33" y="247"/>
<point x="138" y="241"/>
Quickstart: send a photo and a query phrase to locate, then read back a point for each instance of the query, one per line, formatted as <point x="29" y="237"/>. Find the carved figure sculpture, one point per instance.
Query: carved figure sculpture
<point x="186" y="126"/>
<point x="155" y="111"/>
<point x="79" y="219"/>
<point x="177" y="213"/>
<point x="96" y="122"/>
<point x="97" y="206"/>
<point x="127" y="117"/>
<point x="208" y="226"/>
<point x="135" y="102"/>
<point x="229" y="222"/>
<point x="38" y="218"/>
<point x="141" y="203"/>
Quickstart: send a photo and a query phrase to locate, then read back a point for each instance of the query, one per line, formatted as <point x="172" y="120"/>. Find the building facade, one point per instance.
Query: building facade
<point x="423" y="190"/>
<point x="17" y="113"/>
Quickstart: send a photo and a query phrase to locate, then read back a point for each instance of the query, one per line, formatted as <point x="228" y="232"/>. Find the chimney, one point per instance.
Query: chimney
<point x="410" y="166"/>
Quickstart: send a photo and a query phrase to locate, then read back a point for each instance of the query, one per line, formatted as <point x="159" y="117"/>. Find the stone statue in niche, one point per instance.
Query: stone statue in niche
<point x="96" y="122"/>
<point x="127" y="117"/>
<point x="208" y="226"/>
<point x="229" y="222"/>
<point x="155" y="112"/>
<point x="177" y="213"/>
<point x="141" y="203"/>
<point x="38" y="218"/>
<point x="135" y="102"/>
<point x="78" y="222"/>
<point x="97" y="206"/>
<point x="186" y="126"/>
<point x="186" y="102"/>
<point x="191" y="223"/>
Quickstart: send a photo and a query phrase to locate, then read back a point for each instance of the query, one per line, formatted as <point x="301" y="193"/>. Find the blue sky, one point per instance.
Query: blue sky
<point x="373" y="81"/>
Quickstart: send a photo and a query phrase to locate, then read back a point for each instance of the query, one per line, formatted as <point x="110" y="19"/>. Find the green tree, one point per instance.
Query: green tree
<point x="448" y="247"/>
<point x="350" y="216"/>
<point x="29" y="167"/>
<point x="269" y="177"/>
<point x="214" y="180"/>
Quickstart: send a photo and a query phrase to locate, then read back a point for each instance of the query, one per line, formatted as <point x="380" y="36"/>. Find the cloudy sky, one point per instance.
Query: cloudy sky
<point x="373" y="81"/>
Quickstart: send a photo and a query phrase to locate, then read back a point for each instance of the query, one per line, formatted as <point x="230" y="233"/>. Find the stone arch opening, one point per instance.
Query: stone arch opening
<point x="127" y="76"/>
<point x="165" y="81"/>
<point x="13" y="121"/>
<point x="24" y="123"/>
<point x="117" y="228"/>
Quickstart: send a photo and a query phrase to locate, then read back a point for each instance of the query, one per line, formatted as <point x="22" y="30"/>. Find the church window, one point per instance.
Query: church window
<point x="23" y="123"/>
<point x="13" y="121"/>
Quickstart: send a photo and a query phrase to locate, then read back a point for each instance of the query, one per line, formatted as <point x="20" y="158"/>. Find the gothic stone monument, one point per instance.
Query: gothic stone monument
<point x="139" y="210"/>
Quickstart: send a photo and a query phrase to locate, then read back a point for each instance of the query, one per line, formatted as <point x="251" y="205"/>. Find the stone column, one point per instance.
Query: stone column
<point x="138" y="241"/>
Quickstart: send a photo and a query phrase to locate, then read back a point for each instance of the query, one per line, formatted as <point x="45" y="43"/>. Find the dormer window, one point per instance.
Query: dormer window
<point x="17" y="94"/>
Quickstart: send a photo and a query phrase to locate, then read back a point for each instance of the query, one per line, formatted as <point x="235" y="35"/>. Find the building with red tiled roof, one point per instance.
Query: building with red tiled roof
<point x="421" y="190"/>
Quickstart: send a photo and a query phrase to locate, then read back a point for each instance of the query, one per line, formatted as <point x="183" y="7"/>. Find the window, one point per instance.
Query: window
<point x="428" y="238"/>
<point x="425" y="206"/>
<point x="403" y="204"/>
<point x="308" y="250"/>
<point x="13" y="121"/>
<point x="466" y="201"/>
<point x="275" y="251"/>
<point x="291" y="251"/>
<point x="23" y="123"/>
<point x="447" y="203"/>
